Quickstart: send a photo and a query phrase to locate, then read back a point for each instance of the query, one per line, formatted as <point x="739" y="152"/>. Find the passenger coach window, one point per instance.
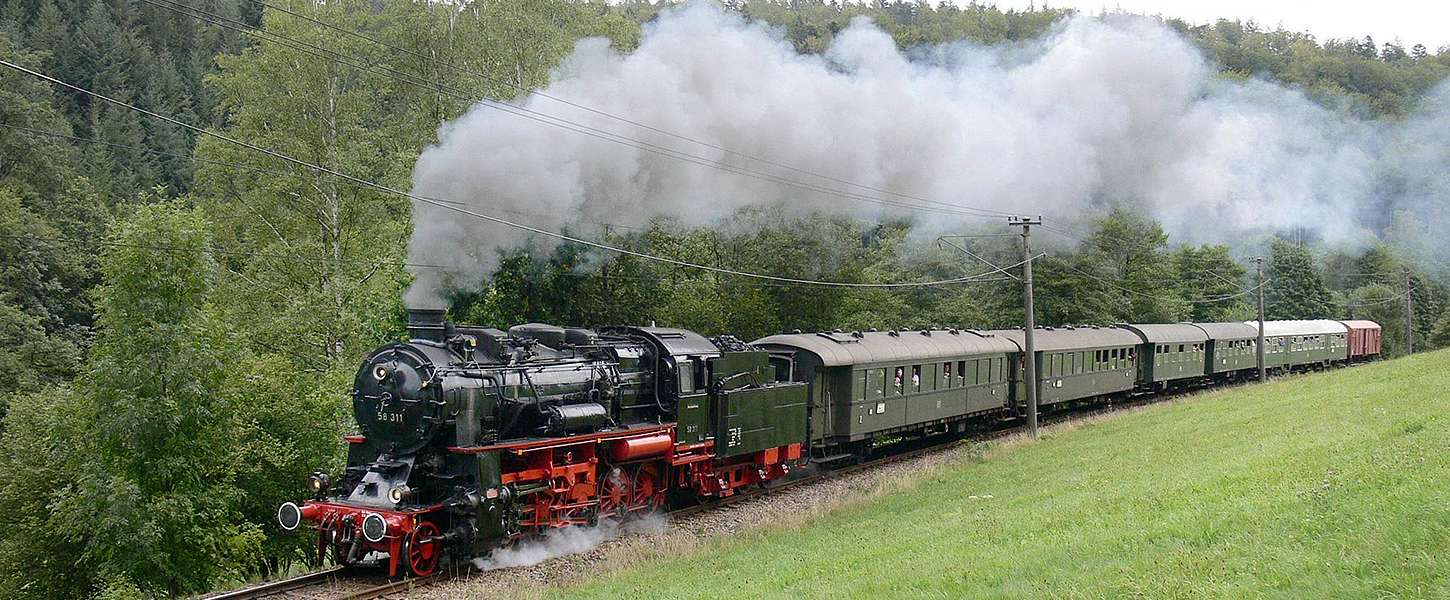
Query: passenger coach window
<point x="916" y="378"/>
<point x="861" y="392"/>
<point x="962" y="373"/>
<point x="875" y="383"/>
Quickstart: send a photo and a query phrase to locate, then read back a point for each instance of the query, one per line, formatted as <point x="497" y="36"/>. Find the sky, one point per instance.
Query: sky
<point x="1424" y="22"/>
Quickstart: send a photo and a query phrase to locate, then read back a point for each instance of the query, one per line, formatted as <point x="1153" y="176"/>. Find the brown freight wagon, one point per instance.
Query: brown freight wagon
<point x="1364" y="340"/>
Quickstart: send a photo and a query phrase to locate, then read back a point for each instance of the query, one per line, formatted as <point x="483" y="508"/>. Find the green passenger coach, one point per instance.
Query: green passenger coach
<point x="1170" y="352"/>
<point x="1303" y="343"/>
<point x="872" y="384"/>
<point x="1232" y="348"/>
<point x="1077" y="363"/>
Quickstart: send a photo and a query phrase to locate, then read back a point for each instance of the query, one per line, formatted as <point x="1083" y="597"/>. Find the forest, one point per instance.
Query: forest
<point x="180" y="317"/>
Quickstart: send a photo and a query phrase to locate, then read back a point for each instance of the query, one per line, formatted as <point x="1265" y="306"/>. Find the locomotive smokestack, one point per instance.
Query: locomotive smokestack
<point x="426" y="324"/>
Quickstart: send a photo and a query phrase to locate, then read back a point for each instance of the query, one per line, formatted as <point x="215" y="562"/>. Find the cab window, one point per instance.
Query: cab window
<point x="686" y="377"/>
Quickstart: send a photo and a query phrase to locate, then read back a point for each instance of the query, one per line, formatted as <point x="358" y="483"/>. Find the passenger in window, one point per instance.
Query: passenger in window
<point x="946" y="372"/>
<point x="899" y="375"/>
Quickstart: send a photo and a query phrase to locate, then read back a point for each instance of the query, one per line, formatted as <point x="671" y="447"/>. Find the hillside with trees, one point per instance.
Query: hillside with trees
<point x="180" y="317"/>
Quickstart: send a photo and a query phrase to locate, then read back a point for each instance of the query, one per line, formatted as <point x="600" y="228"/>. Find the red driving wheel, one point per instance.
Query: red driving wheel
<point x="422" y="549"/>
<point x="614" y="497"/>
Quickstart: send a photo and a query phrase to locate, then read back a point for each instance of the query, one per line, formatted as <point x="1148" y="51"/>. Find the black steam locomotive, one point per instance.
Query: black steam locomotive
<point x="471" y="437"/>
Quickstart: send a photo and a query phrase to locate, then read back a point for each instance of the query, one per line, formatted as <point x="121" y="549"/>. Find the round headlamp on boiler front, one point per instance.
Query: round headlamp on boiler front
<point x="289" y="516"/>
<point x="374" y="527"/>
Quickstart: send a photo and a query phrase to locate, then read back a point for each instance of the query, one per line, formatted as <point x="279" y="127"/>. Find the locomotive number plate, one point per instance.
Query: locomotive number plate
<point x="387" y="416"/>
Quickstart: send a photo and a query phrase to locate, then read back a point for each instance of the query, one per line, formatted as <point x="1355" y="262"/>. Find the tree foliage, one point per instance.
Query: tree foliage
<point x="179" y="317"/>
<point x="1295" y="287"/>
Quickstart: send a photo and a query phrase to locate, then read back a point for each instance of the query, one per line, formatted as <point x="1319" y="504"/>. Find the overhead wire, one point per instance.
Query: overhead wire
<point x="484" y="216"/>
<point x="292" y="174"/>
<point x="1240" y="293"/>
<point x="1400" y="296"/>
<point x="300" y="258"/>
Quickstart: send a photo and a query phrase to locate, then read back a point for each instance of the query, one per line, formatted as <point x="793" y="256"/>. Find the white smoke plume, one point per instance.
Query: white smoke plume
<point x="1098" y="111"/>
<point x="568" y="540"/>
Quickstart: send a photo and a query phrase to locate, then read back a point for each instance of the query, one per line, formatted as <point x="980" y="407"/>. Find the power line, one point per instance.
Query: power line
<point x="542" y="94"/>
<point x="551" y="120"/>
<point x="64" y="136"/>
<point x="300" y="258"/>
<point x="212" y="251"/>
<point x="1397" y="297"/>
<point x="484" y="216"/>
<point x="293" y="174"/>
<point x="1241" y="292"/>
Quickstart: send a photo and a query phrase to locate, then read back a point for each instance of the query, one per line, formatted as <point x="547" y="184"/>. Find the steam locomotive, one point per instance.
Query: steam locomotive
<point x="473" y="438"/>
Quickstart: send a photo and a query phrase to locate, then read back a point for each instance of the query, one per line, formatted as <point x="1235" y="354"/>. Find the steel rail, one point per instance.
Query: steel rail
<point x="278" y="587"/>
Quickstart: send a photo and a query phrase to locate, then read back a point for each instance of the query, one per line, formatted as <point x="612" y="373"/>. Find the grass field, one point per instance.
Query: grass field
<point x="1333" y="485"/>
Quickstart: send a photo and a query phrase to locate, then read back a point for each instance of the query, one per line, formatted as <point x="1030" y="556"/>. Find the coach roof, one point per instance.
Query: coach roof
<point x="869" y="347"/>
<point x="1175" y="333"/>
<point x="1315" y="327"/>
<point x="1229" y="331"/>
<point x="1052" y="339"/>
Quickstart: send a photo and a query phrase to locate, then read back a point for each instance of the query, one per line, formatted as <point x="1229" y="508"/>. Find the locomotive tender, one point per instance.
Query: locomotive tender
<point x="473" y="438"/>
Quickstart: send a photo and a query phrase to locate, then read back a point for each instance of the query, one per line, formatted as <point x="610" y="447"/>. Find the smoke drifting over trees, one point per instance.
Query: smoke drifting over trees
<point x="1098" y="112"/>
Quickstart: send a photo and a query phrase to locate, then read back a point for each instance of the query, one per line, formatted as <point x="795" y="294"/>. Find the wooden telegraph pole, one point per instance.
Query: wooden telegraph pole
<point x="1263" y="372"/>
<point x="1029" y="354"/>
<point x="1409" y="314"/>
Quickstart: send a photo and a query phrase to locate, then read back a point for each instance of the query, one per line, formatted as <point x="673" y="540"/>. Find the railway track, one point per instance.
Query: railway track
<point x="298" y="587"/>
<point x="275" y="588"/>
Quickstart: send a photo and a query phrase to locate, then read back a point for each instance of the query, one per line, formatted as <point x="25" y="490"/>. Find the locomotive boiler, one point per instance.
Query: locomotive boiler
<point x="471" y="438"/>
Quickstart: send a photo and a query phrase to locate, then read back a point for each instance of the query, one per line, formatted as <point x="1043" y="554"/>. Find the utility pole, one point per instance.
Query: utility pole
<point x="1029" y="354"/>
<point x="1263" y="371"/>
<point x="1409" y="314"/>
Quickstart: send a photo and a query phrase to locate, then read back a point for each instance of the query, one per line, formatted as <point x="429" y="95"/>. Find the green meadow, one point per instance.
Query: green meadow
<point x="1331" y="485"/>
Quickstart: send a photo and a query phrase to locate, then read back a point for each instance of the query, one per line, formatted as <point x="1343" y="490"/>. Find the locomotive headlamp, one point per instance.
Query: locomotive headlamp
<point x="374" y="527"/>
<point x="289" y="516"/>
<point x="398" y="494"/>
<point x="380" y="372"/>
<point x="318" y="482"/>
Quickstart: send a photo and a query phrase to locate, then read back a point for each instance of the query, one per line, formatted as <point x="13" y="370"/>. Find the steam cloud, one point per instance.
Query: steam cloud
<point x="1098" y="111"/>
<point x="569" y="540"/>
